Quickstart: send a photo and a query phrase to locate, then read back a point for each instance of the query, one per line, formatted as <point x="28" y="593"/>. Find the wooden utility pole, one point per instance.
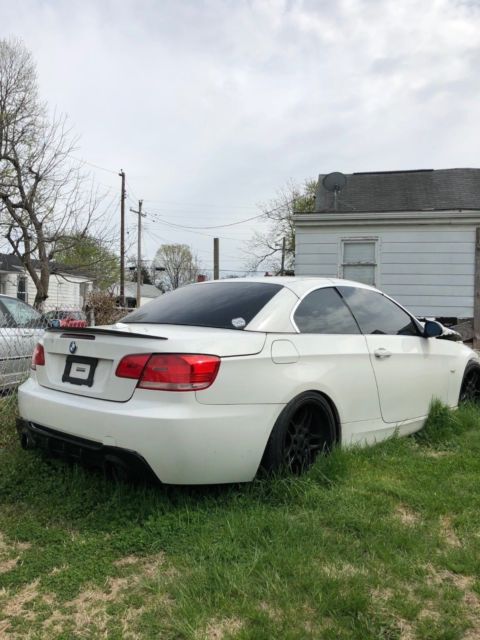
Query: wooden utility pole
<point x="122" y="240"/>
<point x="476" y="292"/>
<point x="282" y="268"/>
<point x="139" y="250"/>
<point x="216" y="259"/>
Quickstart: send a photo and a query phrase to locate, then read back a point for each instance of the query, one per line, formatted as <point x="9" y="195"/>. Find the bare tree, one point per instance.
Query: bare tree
<point x="179" y="265"/>
<point x="265" y="248"/>
<point x="44" y="196"/>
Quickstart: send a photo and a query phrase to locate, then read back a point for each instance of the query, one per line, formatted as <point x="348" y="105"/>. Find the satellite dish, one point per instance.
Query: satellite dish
<point x="334" y="181"/>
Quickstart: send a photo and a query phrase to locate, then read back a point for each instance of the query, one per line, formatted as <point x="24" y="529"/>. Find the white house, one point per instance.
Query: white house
<point x="66" y="290"/>
<point x="411" y="233"/>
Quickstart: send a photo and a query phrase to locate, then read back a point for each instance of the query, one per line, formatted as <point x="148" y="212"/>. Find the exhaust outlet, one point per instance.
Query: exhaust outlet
<point x="26" y="441"/>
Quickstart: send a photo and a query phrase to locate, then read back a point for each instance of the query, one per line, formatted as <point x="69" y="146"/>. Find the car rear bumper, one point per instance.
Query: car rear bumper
<point x="181" y="440"/>
<point x="120" y="463"/>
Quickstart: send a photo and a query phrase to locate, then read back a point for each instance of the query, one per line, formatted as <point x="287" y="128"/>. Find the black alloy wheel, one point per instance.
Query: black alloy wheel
<point x="304" y="440"/>
<point x="304" y="429"/>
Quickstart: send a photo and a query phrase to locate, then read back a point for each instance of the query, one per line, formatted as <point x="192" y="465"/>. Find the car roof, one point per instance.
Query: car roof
<point x="298" y="284"/>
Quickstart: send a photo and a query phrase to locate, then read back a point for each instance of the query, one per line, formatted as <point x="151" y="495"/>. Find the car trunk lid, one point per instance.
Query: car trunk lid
<point x="83" y="361"/>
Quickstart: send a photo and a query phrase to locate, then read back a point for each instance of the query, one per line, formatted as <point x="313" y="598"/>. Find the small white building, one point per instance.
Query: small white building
<point x="65" y="291"/>
<point x="148" y="292"/>
<point x="410" y="233"/>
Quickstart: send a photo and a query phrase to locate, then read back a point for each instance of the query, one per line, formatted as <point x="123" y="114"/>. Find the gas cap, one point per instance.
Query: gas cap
<point x="284" y="352"/>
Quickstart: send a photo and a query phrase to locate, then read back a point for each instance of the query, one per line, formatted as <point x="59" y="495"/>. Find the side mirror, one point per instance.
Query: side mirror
<point x="432" y="329"/>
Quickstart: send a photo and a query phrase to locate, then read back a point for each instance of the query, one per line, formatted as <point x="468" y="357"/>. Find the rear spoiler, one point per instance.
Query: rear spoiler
<point x="89" y="333"/>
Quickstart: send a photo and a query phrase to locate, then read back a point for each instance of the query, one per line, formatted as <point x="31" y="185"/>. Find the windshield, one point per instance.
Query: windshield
<point x="223" y="305"/>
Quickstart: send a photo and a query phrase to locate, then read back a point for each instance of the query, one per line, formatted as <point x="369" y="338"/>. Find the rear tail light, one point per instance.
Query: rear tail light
<point x="170" y="372"/>
<point x="38" y="356"/>
<point x="132" y="366"/>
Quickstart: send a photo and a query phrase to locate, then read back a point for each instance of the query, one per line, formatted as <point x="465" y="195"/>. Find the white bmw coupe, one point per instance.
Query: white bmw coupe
<point x="211" y="382"/>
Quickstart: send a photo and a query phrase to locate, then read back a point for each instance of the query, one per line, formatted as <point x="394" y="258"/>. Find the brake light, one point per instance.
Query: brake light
<point x="170" y="372"/>
<point x="132" y="366"/>
<point x="38" y="356"/>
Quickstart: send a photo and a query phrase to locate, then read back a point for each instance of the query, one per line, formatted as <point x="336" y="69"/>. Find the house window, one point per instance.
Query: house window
<point x="22" y="288"/>
<point x="359" y="261"/>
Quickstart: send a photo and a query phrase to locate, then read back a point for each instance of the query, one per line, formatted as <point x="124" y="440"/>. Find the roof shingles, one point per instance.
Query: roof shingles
<point x="442" y="190"/>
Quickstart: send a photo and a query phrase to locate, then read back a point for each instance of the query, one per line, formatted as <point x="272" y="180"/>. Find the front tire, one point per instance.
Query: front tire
<point x="470" y="389"/>
<point x="304" y="429"/>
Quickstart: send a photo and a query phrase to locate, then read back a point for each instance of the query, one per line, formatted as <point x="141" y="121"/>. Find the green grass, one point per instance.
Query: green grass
<point x="377" y="543"/>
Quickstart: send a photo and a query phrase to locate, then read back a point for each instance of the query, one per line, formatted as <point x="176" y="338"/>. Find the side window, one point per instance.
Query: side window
<point x="22" y="314"/>
<point x="377" y="314"/>
<point x="323" y="311"/>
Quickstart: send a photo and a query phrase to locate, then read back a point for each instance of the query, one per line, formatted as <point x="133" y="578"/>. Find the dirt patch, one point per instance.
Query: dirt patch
<point x="382" y="595"/>
<point x="15" y="606"/>
<point x="272" y="612"/>
<point x="147" y="566"/>
<point x="448" y="532"/>
<point x="89" y="610"/>
<point x="431" y="453"/>
<point x="471" y="600"/>
<point x="406" y="630"/>
<point x="127" y="561"/>
<point x="341" y="570"/>
<point x="8" y="565"/>
<point x="10" y="553"/>
<point x="218" y="629"/>
<point x="429" y="612"/>
<point x="407" y="516"/>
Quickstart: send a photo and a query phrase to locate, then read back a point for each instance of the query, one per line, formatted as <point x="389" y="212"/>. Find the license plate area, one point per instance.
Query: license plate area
<point x="80" y="370"/>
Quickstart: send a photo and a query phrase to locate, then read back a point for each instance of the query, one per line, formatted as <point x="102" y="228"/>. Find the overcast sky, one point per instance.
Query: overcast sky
<point x="211" y="106"/>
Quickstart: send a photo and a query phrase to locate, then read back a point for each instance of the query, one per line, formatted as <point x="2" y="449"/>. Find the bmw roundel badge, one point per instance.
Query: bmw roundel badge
<point x="72" y="347"/>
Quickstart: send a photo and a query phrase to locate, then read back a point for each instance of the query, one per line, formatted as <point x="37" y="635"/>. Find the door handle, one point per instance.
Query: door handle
<point x="382" y="353"/>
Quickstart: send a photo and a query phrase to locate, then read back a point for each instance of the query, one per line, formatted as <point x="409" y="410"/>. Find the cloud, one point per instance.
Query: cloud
<point x="222" y="101"/>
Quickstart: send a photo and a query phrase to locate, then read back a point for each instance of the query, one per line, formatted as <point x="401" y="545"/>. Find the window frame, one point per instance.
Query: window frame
<point x="361" y="240"/>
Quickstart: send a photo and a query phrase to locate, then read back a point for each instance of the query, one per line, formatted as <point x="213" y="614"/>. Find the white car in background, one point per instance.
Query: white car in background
<point x="208" y="383"/>
<point x="21" y="326"/>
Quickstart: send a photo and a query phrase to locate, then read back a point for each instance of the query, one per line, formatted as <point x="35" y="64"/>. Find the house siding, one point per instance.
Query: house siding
<point x="429" y="269"/>
<point x="62" y="293"/>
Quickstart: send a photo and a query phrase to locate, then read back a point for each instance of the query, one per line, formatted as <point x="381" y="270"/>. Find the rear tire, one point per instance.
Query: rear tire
<point x="304" y="429"/>
<point x="470" y="389"/>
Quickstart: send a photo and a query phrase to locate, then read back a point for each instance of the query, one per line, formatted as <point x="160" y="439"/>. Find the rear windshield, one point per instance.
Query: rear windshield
<point x="223" y="305"/>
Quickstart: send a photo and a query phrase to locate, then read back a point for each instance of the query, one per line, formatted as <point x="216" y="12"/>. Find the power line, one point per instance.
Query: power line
<point x="231" y="224"/>
<point x="187" y="230"/>
<point x="216" y="226"/>
<point x="91" y="164"/>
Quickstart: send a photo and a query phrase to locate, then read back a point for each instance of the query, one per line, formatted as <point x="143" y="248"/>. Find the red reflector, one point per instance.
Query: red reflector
<point x="38" y="356"/>
<point x="132" y="366"/>
<point x="179" y="372"/>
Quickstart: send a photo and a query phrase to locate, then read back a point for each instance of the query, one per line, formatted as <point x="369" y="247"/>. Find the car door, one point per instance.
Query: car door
<point x="410" y="369"/>
<point x="334" y="354"/>
<point x="25" y="328"/>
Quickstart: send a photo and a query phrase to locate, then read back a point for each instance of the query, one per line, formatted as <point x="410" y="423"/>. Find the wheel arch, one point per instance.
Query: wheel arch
<point x="333" y="439"/>
<point x="331" y="404"/>
<point x="336" y="415"/>
<point x="472" y="363"/>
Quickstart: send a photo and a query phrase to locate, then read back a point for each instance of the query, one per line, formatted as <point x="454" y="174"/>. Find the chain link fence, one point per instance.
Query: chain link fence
<point x="21" y="326"/>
